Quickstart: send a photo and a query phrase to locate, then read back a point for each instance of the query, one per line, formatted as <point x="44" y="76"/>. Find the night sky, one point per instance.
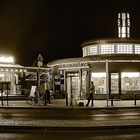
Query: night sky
<point x="56" y="28"/>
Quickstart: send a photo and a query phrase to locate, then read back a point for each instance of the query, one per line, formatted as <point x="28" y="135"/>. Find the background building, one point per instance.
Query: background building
<point x="18" y="80"/>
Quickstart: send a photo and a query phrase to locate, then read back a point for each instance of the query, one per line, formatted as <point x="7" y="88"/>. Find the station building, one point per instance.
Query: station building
<point x="113" y="64"/>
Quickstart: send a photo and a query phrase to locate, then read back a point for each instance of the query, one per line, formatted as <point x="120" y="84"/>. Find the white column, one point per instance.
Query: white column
<point x="13" y="85"/>
<point x="107" y="81"/>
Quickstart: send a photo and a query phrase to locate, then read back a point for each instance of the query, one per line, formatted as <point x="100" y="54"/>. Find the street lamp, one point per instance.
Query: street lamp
<point x="40" y="63"/>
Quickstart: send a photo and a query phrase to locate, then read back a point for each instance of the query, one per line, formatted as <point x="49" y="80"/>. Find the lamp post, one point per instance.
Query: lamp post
<point x="40" y="63"/>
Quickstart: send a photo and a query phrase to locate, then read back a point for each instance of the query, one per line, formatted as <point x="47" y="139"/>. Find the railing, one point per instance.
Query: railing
<point x="135" y="98"/>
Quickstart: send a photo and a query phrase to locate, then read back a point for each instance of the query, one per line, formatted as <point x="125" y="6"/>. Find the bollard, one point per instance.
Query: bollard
<point x="134" y="99"/>
<point x="111" y="100"/>
<point x="7" y="99"/>
<point x="66" y="99"/>
<point x="2" y="97"/>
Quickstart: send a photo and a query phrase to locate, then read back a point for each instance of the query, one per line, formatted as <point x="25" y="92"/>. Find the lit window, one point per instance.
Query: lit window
<point x="93" y="49"/>
<point x="84" y="51"/>
<point x="130" y="82"/>
<point x="119" y="30"/>
<point x="99" y="81"/>
<point x="123" y="30"/>
<point x="124" y="48"/>
<point x="123" y="16"/>
<point x="128" y="30"/>
<point x="137" y="49"/>
<point x="123" y="35"/>
<point x="107" y="49"/>
<point x="128" y="15"/>
<point x="123" y="23"/>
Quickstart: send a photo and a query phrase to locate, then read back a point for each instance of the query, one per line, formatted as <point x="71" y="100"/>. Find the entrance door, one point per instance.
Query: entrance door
<point x="114" y="83"/>
<point x="73" y="88"/>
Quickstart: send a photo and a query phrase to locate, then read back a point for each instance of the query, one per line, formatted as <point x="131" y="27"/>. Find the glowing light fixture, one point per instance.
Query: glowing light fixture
<point x="123" y="25"/>
<point x="98" y="74"/>
<point x="6" y="59"/>
<point x="130" y="74"/>
<point x="1" y="75"/>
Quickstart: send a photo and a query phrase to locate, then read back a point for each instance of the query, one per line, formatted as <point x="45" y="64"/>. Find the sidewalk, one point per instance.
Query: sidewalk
<point x="61" y="103"/>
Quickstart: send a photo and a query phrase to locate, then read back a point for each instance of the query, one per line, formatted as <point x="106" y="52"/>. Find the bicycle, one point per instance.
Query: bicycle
<point x="31" y="100"/>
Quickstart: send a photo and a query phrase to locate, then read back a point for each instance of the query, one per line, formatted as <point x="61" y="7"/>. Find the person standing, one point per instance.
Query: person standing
<point x="36" y="96"/>
<point x="91" y="93"/>
<point x="47" y="93"/>
<point x="47" y="97"/>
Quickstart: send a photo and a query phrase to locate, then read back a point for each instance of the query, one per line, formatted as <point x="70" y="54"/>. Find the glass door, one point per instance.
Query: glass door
<point x="114" y="83"/>
<point x="73" y="88"/>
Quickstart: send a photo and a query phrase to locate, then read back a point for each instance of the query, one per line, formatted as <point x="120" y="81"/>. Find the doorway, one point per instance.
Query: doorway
<point x="73" y="88"/>
<point x="114" y="82"/>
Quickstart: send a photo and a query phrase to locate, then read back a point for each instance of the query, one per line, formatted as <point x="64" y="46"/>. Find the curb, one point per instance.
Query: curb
<point x="4" y="128"/>
<point x="68" y="108"/>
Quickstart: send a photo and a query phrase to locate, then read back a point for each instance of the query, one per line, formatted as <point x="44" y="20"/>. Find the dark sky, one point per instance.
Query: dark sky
<point x="56" y="28"/>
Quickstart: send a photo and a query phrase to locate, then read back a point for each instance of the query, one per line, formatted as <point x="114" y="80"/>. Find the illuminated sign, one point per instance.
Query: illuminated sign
<point x="6" y="59"/>
<point x="78" y="64"/>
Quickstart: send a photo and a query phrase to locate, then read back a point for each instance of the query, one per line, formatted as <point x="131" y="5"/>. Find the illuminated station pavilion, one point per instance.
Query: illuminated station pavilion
<point x="113" y="64"/>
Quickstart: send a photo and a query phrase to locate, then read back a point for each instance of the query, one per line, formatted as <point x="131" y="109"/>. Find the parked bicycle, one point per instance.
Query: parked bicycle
<point x="31" y="100"/>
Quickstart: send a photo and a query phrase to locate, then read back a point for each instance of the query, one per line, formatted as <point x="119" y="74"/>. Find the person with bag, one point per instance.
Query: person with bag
<point x="91" y="93"/>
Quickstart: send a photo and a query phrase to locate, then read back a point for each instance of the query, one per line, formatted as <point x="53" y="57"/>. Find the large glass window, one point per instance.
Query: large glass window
<point x="115" y="48"/>
<point x="124" y="48"/>
<point x="100" y="82"/>
<point x="137" y="49"/>
<point x="93" y="49"/>
<point x="107" y="49"/>
<point x="84" y="51"/>
<point x="84" y="86"/>
<point x="130" y="82"/>
<point x="114" y="83"/>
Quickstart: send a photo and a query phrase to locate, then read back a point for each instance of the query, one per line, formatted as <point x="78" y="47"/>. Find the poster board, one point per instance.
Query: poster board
<point x="33" y="89"/>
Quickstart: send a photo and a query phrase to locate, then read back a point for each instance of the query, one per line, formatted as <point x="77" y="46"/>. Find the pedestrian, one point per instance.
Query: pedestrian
<point x="36" y="96"/>
<point x="47" y="96"/>
<point x="91" y="93"/>
<point x="47" y="93"/>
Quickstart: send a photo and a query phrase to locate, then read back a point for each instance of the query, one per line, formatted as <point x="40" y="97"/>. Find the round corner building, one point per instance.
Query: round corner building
<point x="113" y="64"/>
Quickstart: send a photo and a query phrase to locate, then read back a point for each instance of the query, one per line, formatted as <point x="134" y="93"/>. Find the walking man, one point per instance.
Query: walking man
<point x="91" y="93"/>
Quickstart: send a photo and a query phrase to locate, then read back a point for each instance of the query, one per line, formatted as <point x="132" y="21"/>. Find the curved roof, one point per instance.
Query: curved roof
<point x="96" y="58"/>
<point x="110" y="40"/>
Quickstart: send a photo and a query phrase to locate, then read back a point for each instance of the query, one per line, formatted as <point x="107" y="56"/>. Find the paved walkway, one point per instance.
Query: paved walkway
<point x="62" y="103"/>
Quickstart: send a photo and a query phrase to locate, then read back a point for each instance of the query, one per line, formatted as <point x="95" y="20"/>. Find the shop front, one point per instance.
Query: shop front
<point x="123" y="78"/>
<point x="17" y="80"/>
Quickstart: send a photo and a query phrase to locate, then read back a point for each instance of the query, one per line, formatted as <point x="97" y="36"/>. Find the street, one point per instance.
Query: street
<point x="69" y="117"/>
<point x="70" y="124"/>
<point x="71" y="135"/>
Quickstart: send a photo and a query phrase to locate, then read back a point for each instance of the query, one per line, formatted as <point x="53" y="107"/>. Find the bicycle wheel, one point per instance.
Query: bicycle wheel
<point x="30" y="100"/>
